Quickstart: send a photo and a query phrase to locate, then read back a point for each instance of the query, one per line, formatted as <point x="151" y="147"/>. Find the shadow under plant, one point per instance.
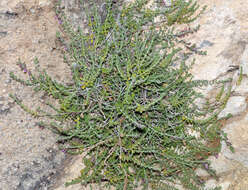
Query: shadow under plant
<point x="131" y="109"/>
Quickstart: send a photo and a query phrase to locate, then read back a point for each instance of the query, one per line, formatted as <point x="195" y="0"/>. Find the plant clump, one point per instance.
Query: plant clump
<point x="132" y="101"/>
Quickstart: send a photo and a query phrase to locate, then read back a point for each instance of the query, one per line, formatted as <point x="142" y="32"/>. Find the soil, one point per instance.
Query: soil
<point x="29" y="155"/>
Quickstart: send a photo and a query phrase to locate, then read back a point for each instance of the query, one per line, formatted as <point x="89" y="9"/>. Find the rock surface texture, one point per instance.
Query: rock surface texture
<point x="225" y="27"/>
<point x="29" y="156"/>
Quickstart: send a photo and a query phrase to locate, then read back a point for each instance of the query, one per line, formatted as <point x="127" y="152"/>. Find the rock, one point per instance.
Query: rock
<point x="234" y="106"/>
<point x="43" y="3"/>
<point x="25" y="163"/>
<point x="239" y="179"/>
<point x="70" y="172"/>
<point x="201" y="172"/>
<point x="211" y="184"/>
<point x="225" y="185"/>
<point x="242" y="184"/>
<point x="3" y="34"/>
<point x="244" y="61"/>
<point x="205" y="43"/>
<point x="237" y="133"/>
<point x="242" y="89"/>
<point x="75" y="12"/>
<point x="222" y="165"/>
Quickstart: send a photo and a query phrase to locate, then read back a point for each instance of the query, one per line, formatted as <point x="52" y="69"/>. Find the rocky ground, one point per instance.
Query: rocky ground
<point x="29" y="156"/>
<point x="224" y="32"/>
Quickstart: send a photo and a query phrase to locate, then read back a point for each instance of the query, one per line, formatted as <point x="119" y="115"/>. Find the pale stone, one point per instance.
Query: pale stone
<point x="211" y="184"/>
<point x="201" y="172"/>
<point x="221" y="164"/>
<point x="225" y="185"/>
<point x="242" y="183"/>
<point x="244" y="61"/>
<point x="237" y="133"/>
<point x="235" y="106"/>
<point x="44" y="3"/>
<point x="242" y="89"/>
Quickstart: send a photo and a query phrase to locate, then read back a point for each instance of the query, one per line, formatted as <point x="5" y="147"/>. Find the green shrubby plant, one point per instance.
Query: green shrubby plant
<point x="132" y="105"/>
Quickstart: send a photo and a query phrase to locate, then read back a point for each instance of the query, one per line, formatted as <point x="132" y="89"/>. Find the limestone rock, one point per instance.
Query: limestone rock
<point x="242" y="89"/>
<point x="244" y="61"/>
<point x="234" y="106"/>
<point x="237" y="133"/>
<point x="29" y="156"/>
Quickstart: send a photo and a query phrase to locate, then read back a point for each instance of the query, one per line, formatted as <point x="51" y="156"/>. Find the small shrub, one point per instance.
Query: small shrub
<point x="132" y="101"/>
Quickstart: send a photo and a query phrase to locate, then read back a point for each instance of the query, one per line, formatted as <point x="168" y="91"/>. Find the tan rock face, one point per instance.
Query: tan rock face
<point x="70" y="172"/>
<point x="238" y="135"/>
<point x="221" y="27"/>
<point x="244" y="61"/>
<point x="225" y="27"/>
<point x="236" y="105"/>
<point x="29" y="156"/>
